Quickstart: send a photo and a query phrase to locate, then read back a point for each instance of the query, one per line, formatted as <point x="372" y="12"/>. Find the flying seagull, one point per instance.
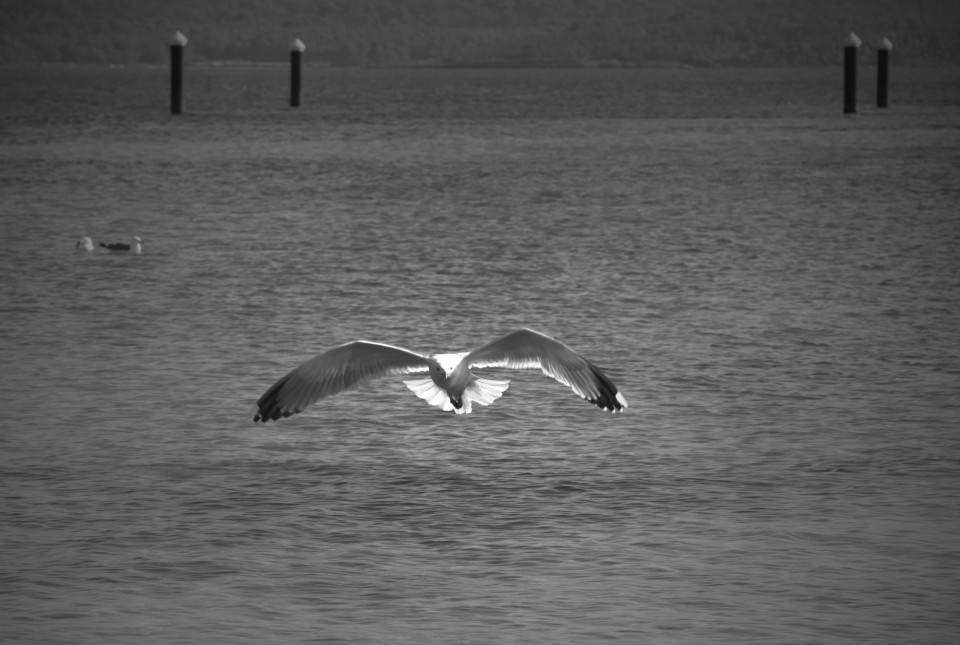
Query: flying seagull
<point x="136" y="247"/>
<point x="447" y="380"/>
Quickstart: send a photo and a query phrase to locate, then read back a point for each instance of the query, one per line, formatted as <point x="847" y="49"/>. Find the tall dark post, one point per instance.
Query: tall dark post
<point x="851" y="46"/>
<point x="296" y="54"/>
<point x="177" y="43"/>
<point x="883" y="71"/>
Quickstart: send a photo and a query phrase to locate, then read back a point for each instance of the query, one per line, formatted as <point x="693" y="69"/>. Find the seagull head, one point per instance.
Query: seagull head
<point x="448" y="362"/>
<point x="438" y="372"/>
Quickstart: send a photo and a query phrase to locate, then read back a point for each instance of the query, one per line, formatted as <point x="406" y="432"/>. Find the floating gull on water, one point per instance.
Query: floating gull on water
<point x="84" y="244"/>
<point x="136" y="247"/>
<point x="448" y="382"/>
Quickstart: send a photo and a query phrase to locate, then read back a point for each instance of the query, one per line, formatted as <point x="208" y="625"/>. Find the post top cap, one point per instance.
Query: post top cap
<point x="885" y="44"/>
<point x="178" y="39"/>
<point x="297" y="45"/>
<point x="851" y="40"/>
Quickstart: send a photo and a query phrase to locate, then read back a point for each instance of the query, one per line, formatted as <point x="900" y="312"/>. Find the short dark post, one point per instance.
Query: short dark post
<point x="883" y="71"/>
<point x="177" y="43"/>
<point x="296" y="54"/>
<point x="851" y="45"/>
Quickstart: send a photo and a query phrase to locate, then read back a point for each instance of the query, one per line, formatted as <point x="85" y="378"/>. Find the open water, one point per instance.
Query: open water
<point x="774" y="287"/>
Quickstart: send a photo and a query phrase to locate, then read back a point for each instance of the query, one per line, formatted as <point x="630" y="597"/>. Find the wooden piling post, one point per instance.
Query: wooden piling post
<point x="883" y="71"/>
<point x="851" y="46"/>
<point x="296" y="54"/>
<point x="177" y="43"/>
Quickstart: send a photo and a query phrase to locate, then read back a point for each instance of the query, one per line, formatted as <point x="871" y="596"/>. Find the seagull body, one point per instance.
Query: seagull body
<point x="84" y="244"/>
<point x="136" y="247"/>
<point x="445" y="380"/>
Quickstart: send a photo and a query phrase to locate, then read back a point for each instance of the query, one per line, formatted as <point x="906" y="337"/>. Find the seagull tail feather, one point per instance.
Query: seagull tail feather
<point x="485" y="390"/>
<point x="430" y="392"/>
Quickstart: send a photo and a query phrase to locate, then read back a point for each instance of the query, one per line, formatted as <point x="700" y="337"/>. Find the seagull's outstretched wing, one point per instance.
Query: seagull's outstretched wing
<point x="527" y="349"/>
<point x="333" y="371"/>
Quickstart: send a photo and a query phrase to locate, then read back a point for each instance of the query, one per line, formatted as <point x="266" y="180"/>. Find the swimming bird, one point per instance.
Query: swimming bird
<point x="448" y="381"/>
<point x="136" y="247"/>
<point x="84" y="244"/>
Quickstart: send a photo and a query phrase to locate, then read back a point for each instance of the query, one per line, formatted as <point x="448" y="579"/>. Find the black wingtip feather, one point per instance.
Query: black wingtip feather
<point x="269" y="407"/>
<point x="606" y="398"/>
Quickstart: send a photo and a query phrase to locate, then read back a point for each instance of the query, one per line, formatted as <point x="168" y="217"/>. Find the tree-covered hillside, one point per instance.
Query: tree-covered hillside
<point x="478" y="32"/>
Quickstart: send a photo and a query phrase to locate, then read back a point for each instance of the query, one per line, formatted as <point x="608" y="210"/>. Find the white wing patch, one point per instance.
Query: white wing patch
<point x="622" y="401"/>
<point x="510" y="363"/>
<point x="430" y="392"/>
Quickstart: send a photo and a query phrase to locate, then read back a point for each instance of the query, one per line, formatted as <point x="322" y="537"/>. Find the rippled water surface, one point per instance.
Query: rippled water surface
<point x="774" y="287"/>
